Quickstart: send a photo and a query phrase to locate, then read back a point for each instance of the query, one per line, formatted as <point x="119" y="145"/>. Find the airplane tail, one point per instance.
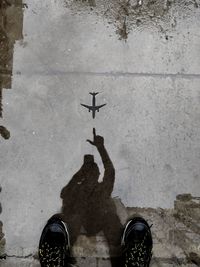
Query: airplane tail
<point x="94" y="93"/>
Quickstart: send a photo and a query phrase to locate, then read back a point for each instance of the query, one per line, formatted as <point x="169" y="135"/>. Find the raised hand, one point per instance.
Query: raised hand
<point x="98" y="140"/>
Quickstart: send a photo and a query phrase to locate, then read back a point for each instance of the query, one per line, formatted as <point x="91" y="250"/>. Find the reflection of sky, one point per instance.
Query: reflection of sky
<point x="150" y="123"/>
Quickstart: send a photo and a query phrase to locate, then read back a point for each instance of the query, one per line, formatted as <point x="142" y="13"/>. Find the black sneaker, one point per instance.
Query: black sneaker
<point x="54" y="244"/>
<point x="137" y="243"/>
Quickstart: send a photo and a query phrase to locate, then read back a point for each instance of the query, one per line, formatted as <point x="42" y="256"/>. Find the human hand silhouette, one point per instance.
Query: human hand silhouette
<point x="98" y="140"/>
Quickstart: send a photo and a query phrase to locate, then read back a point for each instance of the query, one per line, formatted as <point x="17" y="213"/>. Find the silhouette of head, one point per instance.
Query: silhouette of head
<point x="91" y="168"/>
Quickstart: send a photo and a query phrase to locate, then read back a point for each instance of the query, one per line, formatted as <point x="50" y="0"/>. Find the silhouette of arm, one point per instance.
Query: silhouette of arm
<point x="109" y="173"/>
<point x="108" y="165"/>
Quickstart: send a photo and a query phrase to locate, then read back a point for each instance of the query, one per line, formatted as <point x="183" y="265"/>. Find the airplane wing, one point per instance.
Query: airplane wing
<point x="86" y="106"/>
<point x="97" y="107"/>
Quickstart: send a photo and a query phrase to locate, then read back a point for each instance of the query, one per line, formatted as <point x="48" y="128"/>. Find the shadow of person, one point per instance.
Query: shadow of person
<point x="87" y="203"/>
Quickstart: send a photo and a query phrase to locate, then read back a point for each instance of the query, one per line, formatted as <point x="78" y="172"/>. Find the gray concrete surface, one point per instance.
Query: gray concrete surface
<point x="176" y="243"/>
<point x="150" y="82"/>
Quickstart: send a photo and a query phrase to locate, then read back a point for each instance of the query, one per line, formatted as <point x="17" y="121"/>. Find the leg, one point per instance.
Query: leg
<point x="74" y="225"/>
<point x="112" y="229"/>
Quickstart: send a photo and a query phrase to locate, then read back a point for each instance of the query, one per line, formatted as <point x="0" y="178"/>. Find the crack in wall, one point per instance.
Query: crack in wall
<point x="188" y="76"/>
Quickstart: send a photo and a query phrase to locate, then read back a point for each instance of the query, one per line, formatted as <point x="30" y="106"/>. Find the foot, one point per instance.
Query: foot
<point x="137" y="243"/>
<point x="54" y="244"/>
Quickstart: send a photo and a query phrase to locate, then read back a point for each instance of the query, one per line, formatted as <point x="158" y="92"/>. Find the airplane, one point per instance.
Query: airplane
<point x="93" y="108"/>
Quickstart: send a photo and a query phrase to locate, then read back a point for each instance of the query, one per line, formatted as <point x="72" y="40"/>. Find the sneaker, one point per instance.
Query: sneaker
<point x="137" y="243"/>
<point x="54" y="244"/>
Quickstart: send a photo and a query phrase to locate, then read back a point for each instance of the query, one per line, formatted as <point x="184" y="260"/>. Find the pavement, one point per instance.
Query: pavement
<point x="175" y="233"/>
<point x="143" y="58"/>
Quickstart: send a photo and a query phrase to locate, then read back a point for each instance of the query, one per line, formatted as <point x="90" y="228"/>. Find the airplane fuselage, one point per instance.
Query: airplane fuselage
<point x="93" y="108"/>
<point x="93" y="101"/>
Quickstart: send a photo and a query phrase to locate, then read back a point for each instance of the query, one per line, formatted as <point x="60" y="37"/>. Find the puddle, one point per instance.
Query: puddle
<point x="126" y="15"/>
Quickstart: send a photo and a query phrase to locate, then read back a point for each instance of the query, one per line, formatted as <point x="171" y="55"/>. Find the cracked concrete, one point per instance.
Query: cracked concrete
<point x="122" y="74"/>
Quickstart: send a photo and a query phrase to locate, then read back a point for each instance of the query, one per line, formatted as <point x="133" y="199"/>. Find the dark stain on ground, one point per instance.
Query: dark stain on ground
<point x="1" y="109"/>
<point x="87" y="203"/>
<point x="122" y="31"/>
<point x="4" y="132"/>
<point x="129" y="14"/>
<point x="92" y="2"/>
<point x="194" y="258"/>
<point x="187" y="211"/>
<point x="11" y="24"/>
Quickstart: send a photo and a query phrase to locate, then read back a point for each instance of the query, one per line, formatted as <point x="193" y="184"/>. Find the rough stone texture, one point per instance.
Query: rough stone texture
<point x="126" y="15"/>
<point x="11" y="23"/>
<point x="175" y="244"/>
<point x="17" y="262"/>
<point x="92" y="262"/>
<point x="188" y="212"/>
<point x="84" y="262"/>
